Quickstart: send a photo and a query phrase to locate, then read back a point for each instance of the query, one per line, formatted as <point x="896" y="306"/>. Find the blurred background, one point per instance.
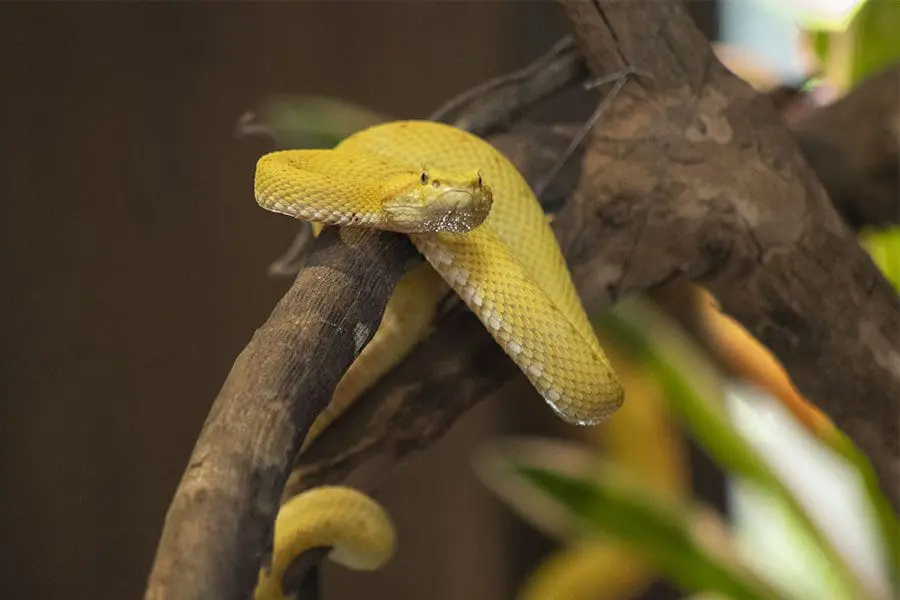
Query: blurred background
<point x="136" y="265"/>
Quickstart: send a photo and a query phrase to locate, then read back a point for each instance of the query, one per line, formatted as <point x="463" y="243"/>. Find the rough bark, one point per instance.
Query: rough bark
<point x="688" y="176"/>
<point x="698" y="152"/>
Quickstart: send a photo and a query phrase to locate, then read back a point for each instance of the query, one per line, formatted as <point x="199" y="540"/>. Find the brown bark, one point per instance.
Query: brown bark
<point x="698" y="152"/>
<point x="688" y="176"/>
<point x="219" y="524"/>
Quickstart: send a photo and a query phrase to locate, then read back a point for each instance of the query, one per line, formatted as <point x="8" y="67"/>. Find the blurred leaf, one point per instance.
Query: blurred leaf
<point x="884" y="248"/>
<point x="586" y="568"/>
<point x="490" y="463"/>
<point x="589" y="570"/>
<point x="674" y="360"/>
<point x="820" y="42"/>
<point x="665" y="534"/>
<point x="859" y="48"/>
<point x="875" y="33"/>
<point x="297" y="122"/>
<point x="888" y="523"/>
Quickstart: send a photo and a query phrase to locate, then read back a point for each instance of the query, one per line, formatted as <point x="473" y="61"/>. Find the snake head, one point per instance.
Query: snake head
<point x="432" y="201"/>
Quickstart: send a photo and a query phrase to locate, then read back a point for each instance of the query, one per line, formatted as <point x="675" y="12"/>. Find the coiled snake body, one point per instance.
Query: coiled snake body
<point x="476" y="221"/>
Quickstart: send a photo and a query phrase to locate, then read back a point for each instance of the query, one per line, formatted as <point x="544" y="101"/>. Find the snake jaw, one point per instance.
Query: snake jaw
<point x="440" y="208"/>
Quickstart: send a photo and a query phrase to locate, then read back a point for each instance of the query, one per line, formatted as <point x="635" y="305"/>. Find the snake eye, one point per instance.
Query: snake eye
<point x="423" y="177"/>
<point x="480" y="180"/>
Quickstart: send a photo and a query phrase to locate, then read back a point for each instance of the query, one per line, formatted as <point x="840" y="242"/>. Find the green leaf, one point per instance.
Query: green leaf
<point x="821" y="42"/>
<point x="664" y="533"/>
<point x="884" y="248"/>
<point x="875" y="35"/>
<point x="297" y="122"/>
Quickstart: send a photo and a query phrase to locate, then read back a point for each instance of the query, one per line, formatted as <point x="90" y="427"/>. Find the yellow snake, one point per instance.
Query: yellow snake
<point x="474" y="218"/>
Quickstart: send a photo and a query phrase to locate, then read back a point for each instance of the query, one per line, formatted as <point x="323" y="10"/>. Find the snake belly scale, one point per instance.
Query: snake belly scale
<point x="475" y="220"/>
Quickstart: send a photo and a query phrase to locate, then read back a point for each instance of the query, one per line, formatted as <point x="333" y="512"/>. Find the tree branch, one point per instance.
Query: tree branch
<point x="704" y="155"/>
<point x="220" y="521"/>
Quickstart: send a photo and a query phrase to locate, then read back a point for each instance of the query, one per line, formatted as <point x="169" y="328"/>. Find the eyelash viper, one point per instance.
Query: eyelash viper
<point x="474" y="218"/>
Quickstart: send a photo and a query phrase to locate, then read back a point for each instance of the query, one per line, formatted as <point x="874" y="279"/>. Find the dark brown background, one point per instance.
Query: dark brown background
<point x="135" y="261"/>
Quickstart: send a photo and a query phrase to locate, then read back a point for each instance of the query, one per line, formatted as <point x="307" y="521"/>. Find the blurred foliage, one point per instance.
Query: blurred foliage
<point x="306" y="121"/>
<point x="696" y="399"/>
<point x="612" y="500"/>
<point x="679" y="540"/>
<point x="867" y="44"/>
<point x="884" y="247"/>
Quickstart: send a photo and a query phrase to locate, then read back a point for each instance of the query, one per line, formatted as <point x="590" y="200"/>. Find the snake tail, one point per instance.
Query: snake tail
<point x="356" y="528"/>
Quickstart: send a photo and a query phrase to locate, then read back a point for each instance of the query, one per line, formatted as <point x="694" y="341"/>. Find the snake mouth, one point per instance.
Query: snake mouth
<point x="457" y="211"/>
<point x="454" y="210"/>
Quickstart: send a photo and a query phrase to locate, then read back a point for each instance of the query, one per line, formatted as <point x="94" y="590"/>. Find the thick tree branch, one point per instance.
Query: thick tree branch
<point x="718" y="166"/>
